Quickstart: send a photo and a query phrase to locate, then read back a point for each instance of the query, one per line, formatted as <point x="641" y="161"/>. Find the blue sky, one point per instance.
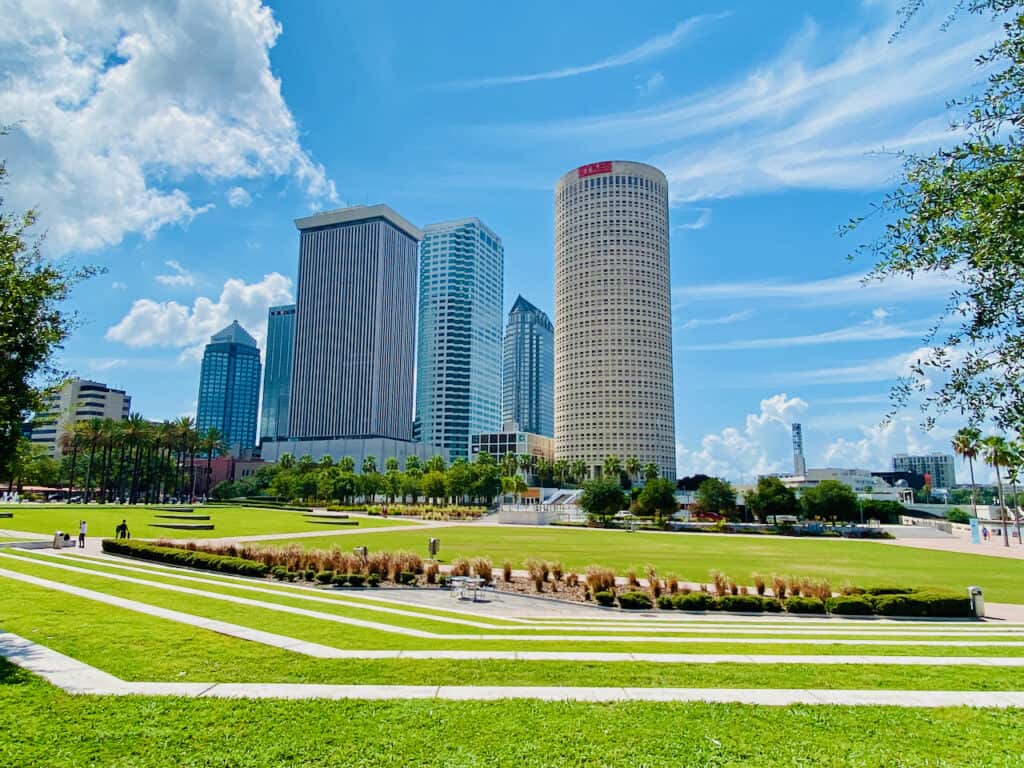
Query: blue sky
<point x="176" y="146"/>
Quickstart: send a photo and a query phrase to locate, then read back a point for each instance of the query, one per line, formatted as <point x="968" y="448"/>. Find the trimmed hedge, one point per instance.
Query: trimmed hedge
<point x="405" y="577"/>
<point x="695" y="601"/>
<point x="635" y="601"/>
<point x="889" y="590"/>
<point x="740" y="603"/>
<point x="850" y="605"/>
<point x="805" y="605"/>
<point x="924" y="604"/>
<point x="185" y="557"/>
<point x="604" y="598"/>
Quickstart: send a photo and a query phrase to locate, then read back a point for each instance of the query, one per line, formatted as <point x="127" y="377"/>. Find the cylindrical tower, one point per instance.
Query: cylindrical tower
<point x="613" y="317"/>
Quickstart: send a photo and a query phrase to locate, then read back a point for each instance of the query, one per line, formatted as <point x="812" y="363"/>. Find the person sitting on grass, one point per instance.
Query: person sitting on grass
<point x="121" y="532"/>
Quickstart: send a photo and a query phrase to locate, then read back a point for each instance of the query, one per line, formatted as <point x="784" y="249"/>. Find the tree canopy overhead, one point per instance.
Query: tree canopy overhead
<point x="959" y="212"/>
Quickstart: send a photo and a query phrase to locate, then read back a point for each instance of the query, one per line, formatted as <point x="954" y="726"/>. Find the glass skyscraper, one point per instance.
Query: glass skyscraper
<point x="277" y="373"/>
<point x="229" y="386"/>
<point x="528" y="378"/>
<point x="458" y="365"/>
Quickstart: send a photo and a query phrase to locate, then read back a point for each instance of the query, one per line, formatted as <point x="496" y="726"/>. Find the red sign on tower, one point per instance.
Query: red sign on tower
<point x="593" y="169"/>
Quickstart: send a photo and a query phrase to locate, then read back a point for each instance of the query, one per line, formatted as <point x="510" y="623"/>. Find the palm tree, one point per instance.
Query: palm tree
<point x="578" y="470"/>
<point x="966" y="444"/>
<point x="526" y="462"/>
<point x="1015" y="457"/>
<point x="633" y="468"/>
<point x="412" y="463"/>
<point x="184" y="427"/>
<point x="135" y="432"/>
<point x="91" y="432"/>
<point x="651" y="471"/>
<point x="286" y="461"/>
<point x="612" y="467"/>
<point x="561" y="470"/>
<point x="994" y="449"/>
<point x="164" y="439"/>
<point x="347" y="464"/>
<point x="391" y="465"/>
<point x="69" y="442"/>
<point x="509" y="464"/>
<point x="210" y="442"/>
<point x="435" y="464"/>
<point x="369" y="465"/>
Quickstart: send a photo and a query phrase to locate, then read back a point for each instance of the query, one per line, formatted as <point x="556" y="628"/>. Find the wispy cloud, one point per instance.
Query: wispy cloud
<point x="702" y="322"/>
<point x="887" y="368"/>
<point x="869" y="331"/>
<point x="646" y="50"/>
<point x="702" y="220"/>
<point x="815" y="116"/>
<point x="841" y="290"/>
<point x="179" y="276"/>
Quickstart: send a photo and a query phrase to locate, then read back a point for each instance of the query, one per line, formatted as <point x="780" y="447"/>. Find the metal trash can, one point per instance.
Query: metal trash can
<point x="977" y="601"/>
<point x="58" y="539"/>
<point x="360" y="552"/>
<point x="434" y="547"/>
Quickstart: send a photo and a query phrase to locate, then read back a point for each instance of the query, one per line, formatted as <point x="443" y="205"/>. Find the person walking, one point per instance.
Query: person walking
<point x="82" y="529"/>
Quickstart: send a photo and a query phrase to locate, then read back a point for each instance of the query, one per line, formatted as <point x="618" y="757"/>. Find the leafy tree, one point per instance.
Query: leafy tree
<point x="369" y="484"/>
<point x="412" y="463"/>
<point x="717" y="497"/>
<point x="434" y="485"/>
<point x="602" y="498"/>
<point x="435" y="464"/>
<point x="658" y="499"/>
<point x="211" y="443"/>
<point x="459" y="479"/>
<point x="772" y="499"/>
<point x="369" y="465"/>
<point x="883" y="511"/>
<point x="347" y="464"/>
<point x="957" y="515"/>
<point x="32" y="324"/>
<point x="692" y="482"/>
<point x="957" y="213"/>
<point x="830" y="500"/>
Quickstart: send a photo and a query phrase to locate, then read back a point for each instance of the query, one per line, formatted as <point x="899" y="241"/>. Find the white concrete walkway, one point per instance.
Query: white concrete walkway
<point x="75" y="677"/>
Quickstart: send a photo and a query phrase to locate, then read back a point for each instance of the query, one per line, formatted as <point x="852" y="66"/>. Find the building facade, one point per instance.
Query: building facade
<point x="458" y="366"/>
<point x="939" y="467"/>
<point x="497" y="444"/>
<point x="528" y="371"/>
<point x="355" y="326"/>
<point x="613" y="316"/>
<point x="277" y="373"/>
<point x="799" y="463"/>
<point x="78" y="400"/>
<point x="229" y="387"/>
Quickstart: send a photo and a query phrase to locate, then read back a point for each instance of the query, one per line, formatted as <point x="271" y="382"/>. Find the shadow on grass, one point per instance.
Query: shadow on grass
<point x="11" y="674"/>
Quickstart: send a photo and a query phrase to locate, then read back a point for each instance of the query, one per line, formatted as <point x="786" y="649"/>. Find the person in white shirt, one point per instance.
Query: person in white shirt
<point x="82" y="528"/>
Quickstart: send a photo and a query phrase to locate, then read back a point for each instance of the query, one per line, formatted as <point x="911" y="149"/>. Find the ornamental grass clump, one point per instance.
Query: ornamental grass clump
<point x="406" y="561"/>
<point x="779" y="587"/>
<point x="538" y="571"/>
<point x="721" y="583"/>
<point x="430" y="571"/>
<point x="379" y="564"/>
<point x="821" y="589"/>
<point x="672" y="585"/>
<point x="482" y="569"/>
<point x="556" y="570"/>
<point x="572" y="580"/>
<point x="758" y="580"/>
<point x="506" y="571"/>
<point x="653" y="582"/>
<point x="631" y="580"/>
<point x="600" y="579"/>
<point x="461" y="567"/>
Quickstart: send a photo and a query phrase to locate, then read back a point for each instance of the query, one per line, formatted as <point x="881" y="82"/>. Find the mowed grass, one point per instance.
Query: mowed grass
<point x="143" y="648"/>
<point x="44" y="727"/>
<point x="693" y="556"/>
<point x="227" y="521"/>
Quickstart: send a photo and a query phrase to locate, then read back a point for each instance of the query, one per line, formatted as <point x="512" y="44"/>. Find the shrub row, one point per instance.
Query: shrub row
<point x="187" y="557"/>
<point x="916" y="604"/>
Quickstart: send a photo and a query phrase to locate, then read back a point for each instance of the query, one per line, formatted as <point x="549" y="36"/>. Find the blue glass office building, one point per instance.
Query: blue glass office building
<point x="277" y="373"/>
<point x="458" y="362"/>
<point x="229" y="387"/>
<point x="528" y="376"/>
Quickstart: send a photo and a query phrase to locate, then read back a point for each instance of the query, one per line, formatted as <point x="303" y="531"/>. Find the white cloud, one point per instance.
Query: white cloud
<point x="880" y="313"/>
<point x="868" y="331"/>
<point x="887" y="368"/>
<point x="652" y="83"/>
<point x="762" y="446"/>
<point x="701" y="322"/>
<point x="702" y="220"/>
<point x="646" y="50"/>
<point x="117" y="285"/>
<point x="238" y="198"/>
<point x="169" y="324"/>
<point x="179" y="276"/>
<point x="117" y="103"/>
<point x="814" y="116"/>
<point x="831" y="291"/>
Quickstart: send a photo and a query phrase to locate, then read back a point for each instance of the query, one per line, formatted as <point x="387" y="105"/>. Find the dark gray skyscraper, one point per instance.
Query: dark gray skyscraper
<point x="528" y="381"/>
<point x="277" y="372"/>
<point x="355" y="326"/>
<point x="229" y="387"/>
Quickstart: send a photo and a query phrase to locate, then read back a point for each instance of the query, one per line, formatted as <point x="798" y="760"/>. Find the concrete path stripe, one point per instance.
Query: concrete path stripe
<point x="76" y="678"/>
<point x="221" y="627"/>
<point x="524" y="638"/>
<point x="896" y="629"/>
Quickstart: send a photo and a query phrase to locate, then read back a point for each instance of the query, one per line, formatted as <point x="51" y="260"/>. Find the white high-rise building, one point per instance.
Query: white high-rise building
<point x="613" y="316"/>
<point x="77" y="400"/>
<point x="799" y="464"/>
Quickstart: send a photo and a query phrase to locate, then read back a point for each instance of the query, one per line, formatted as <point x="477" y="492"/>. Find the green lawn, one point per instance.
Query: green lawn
<point x="139" y="647"/>
<point x="228" y="521"/>
<point x="693" y="556"/>
<point x="45" y="727"/>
